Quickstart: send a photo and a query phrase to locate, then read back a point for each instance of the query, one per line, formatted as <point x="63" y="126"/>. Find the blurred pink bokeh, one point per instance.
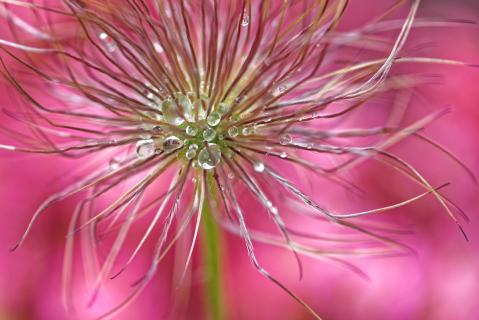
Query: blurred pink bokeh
<point x="441" y="282"/>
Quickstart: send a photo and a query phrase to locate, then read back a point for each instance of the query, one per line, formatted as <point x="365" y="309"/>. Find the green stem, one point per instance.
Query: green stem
<point x="212" y="261"/>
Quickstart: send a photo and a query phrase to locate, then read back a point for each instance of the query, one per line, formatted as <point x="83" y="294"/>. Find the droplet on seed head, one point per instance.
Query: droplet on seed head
<point x="145" y="148"/>
<point x="210" y="156"/>
<point x="285" y="139"/>
<point x="209" y="134"/>
<point x="172" y="143"/>
<point x="233" y="132"/>
<point x="258" y="166"/>
<point x="213" y="119"/>
<point x="191" y="131"/>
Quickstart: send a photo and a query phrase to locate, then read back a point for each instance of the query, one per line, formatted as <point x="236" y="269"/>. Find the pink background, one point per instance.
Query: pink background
<point x="441" y="282"/>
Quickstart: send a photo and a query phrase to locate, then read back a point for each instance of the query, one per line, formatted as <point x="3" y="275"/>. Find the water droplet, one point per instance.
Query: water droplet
<point x="247" y="131"/>
<point x="145" y="148"/>
<point x="171" y="113"/>
<point x="150" y="95"/>
<point x="245" y="20"/>
<point x="191" y="131"/>
<point x="283" y="155"/>
<point x="172" y="143"/>
<point x="223" y="108"/>
<point x="209" y="134"/>
<point x="108" y="41"/>
<point x="309" y="146"/>
<point x="280" y="90"/>
<point x="274" y="210"/>
<point x="193" y="147"/>
<point x="213" y="119"/>
<point x="186" y="107"/>
<point x="115" y="163"/>
<point x="304" y="118"/>
<point x="285" y="139"/>
<point x="190" y="154"/>
<point x="233" y="132"/>
<point x="258" y="166"/>
<point x="231" y="175"/>
<point x="157" y="130"/>
<point x="210" y="156"/>
<point x="157" y="46"/>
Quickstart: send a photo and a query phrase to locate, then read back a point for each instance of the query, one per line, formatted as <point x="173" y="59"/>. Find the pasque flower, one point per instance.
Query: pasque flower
<point x="183" y="111"/>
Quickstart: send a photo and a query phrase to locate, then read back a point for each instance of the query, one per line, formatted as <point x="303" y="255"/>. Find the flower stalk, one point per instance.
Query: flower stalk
<point x="212" y="256"/>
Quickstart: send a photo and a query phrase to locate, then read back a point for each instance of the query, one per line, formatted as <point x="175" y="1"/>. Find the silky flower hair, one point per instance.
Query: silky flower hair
<point x="185" y="111"/>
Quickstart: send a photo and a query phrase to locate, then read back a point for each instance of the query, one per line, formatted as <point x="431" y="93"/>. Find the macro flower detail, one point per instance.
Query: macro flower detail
<point x="187" y="111"/>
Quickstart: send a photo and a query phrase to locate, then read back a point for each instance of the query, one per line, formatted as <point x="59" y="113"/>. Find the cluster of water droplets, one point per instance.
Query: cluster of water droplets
<point x="194" y="133"/>
<point x="147" y="148"/>
<point x="188" y="129"/>
<point x="199" y="133"/>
